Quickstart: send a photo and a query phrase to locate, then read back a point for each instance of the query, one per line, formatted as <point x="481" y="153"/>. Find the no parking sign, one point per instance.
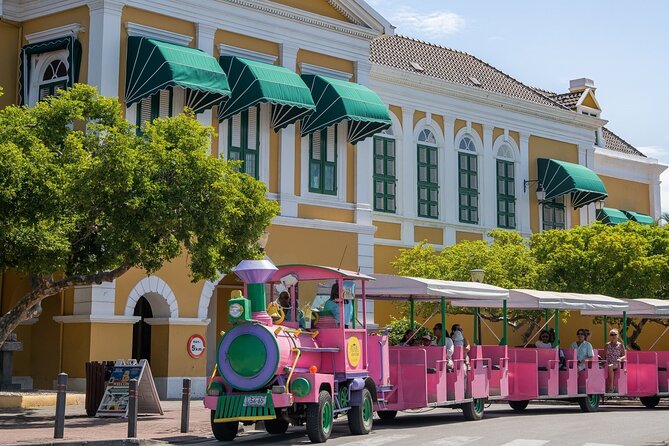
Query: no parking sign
<point x="196" y="346"/>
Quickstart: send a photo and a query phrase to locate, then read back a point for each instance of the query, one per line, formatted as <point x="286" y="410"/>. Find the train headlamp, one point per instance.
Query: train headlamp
<point x="236" y="310"/>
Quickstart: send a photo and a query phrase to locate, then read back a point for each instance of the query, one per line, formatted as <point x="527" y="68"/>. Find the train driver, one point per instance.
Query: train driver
<point x="284" y="301"/>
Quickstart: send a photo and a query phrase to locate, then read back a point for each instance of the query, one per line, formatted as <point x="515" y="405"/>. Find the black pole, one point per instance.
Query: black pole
<point x="132" y="409"/>
<point x="185" y="406"/>
<point x="61" y="395"/>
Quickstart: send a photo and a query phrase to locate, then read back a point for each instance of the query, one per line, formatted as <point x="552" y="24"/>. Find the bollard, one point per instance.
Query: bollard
<point x="185" y="406"/>
<point x="132" y="409"/>
<point x="61" y="395"/>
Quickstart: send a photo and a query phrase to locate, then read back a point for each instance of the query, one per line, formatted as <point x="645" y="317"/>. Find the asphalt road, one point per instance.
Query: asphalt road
<point x="538" y="425"/>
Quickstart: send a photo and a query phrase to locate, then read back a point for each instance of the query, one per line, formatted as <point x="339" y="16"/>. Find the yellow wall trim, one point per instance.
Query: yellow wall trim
<point x="325" y="213"/>
<point x="467" y="236"/>
<point x="432" y="235"/>
<point x="388" y="231"/>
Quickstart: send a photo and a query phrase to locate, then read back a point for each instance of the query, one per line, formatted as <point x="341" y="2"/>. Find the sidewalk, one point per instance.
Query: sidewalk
<point x="35" y="426"/>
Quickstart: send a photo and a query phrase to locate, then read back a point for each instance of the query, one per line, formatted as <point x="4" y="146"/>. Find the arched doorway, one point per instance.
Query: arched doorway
<point x="141" y="331"/>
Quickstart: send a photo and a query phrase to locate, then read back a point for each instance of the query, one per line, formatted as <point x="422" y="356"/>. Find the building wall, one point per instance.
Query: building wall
<point x="627" y="195"/>
<point x="10" y="36"/>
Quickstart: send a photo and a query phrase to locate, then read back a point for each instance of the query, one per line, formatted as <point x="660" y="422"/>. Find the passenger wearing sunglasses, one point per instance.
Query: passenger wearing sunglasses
<point x="544" y="340"/>
<point x="583" y="348"/>
<point x="615" y="352"/>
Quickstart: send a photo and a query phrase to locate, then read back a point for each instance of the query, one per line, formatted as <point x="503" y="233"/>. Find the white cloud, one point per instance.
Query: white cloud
<point x="432" y="25"/>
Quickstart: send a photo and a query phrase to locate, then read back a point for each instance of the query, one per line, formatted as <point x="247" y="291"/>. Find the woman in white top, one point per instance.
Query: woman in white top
<point x="583" y="348"/>
<point x="438" y="330"/>
<point x="544" y="340"/>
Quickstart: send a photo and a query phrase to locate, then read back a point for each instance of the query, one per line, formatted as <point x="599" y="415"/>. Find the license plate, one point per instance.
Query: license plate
<point x="255" y="401"/>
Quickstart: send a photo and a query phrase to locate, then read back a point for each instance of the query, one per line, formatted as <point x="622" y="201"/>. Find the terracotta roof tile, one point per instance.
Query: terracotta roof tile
<point x="616" y="143"/>
<point x="569" y="100"/>
<point x="450" y="65"/>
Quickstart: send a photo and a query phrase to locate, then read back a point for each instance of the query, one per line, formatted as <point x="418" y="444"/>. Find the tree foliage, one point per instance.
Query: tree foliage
<point x="84" y="197"/>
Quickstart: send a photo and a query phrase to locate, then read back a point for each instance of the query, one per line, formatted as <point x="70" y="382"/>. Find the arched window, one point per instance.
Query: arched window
<point x="53" y="76"/>
<point x="385" y="174"/>
<point x="468" y="181"/>
<point x="428" y="181"/>
<point x="506" y="188"/>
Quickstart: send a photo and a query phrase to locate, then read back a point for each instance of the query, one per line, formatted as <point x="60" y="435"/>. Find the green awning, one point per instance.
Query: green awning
<point x="560" y="178"/>
<point x="611" y="216"/>
<point x="153" y="65"/>
<point x="257" y="82"/>
<point x="338" y="100"/>
<point x="639" y="218"/>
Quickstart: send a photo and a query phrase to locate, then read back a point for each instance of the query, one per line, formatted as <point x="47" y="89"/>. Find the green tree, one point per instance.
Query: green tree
<point x="83" y="198"/>
<point x="507" y="262"/>
<point x="626" y="261"/>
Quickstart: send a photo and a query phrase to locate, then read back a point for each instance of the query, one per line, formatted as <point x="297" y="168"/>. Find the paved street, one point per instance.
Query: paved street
<point x="538" y="426"/>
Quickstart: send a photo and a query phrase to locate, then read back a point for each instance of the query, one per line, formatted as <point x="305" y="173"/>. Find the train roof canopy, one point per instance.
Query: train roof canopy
<point x="651" y="308"/>
<point x="390" y="287"/>
<point x="553" y="300"/>
<point x="316" y="272"/>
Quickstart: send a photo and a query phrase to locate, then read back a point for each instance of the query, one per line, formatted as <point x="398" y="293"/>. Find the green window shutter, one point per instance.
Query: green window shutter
<point x="468" y="188"/>
<point x="553" y="213"/>
<point x="244" y="140"/>
<point x="384" y="175"/>
<point x="428" y="182"/>
<point x="506" y="195"/>
<point x="323" y="161"/>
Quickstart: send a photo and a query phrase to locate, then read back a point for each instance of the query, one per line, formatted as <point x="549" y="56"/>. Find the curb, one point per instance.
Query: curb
<point x="118" y="442"/>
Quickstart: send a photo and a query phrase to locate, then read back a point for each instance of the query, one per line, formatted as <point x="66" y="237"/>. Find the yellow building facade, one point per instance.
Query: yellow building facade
<point x="459" y="129"/>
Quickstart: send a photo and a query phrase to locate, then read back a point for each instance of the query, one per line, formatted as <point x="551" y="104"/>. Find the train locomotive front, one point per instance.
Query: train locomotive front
<point x="284" y="375"/>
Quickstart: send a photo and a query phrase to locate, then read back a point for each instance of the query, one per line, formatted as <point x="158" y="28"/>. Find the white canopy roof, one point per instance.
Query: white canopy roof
<point x="533" y="299"/>
<point x="470" y="294"/>
<point x="652" y="308"/>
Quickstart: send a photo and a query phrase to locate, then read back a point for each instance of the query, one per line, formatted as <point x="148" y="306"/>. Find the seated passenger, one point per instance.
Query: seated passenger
<point x="544" y="340"/>
<point x="284" y="301"/>
<point x="583" y="349"/>
<point x="332" y="305"/>
<point x="408" y="338"/>
<point x="459" y="340"/>
<point x="448" y="345"/>
<point x="426" y="341"/>
<point x="615" y="352"/>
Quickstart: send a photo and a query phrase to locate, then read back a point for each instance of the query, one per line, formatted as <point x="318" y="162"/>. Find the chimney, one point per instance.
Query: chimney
<point x="576" y="85"/>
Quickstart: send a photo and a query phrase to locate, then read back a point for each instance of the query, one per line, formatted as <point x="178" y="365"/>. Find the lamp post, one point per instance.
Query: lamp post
<point x="477" y="276"/>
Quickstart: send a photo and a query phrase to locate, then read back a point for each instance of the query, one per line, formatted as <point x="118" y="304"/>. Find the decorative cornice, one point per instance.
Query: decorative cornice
<point x="335" y="4"/>
<point x="228" y="50"/>
<point x="325" y="225"/>
<point x="135" y="29"/>
<point x="307" y="68"/>
<point x="72" y="29"/>
<point x="177" y="321"/>
<point x="309" y="18"/>
<point x="88" y="319"/>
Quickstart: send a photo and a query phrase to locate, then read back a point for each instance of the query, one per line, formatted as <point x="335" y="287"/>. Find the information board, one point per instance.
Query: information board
<point x="116" y="397"/>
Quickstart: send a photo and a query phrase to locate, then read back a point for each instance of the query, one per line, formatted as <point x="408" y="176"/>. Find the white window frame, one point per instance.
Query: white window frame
<point x="264" y="135"/>
<point x="39" y="63"/>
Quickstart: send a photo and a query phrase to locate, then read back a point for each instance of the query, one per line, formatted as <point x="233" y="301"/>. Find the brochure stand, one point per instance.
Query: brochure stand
<point x="115" y="399"/>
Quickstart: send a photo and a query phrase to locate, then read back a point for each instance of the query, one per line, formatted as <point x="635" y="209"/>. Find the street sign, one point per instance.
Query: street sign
<point x="115" y="399"/>
<point x="196" y="346"/>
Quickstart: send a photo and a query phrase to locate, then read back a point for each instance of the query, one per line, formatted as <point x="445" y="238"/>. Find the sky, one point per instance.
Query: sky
<point x="622" y="46"/>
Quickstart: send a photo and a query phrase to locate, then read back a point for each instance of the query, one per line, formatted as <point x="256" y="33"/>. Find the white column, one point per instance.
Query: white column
<point x="104" y="46"/>
<point x="407" y="163"/>
<point x="449" y="175"/>
<point x="655" y="201"/>
<point x="488" y="181"/>
<point x="523" y="199"/>
<point x="205" y="42"/>
<point x="586" y="213"/>
<point x="287" y="148"/>
<point x="364" y="165"/>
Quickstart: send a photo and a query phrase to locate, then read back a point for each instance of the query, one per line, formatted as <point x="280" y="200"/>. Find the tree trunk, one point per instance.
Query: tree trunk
<point x="631" y="340"/>
<point x="22" y="309"/>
